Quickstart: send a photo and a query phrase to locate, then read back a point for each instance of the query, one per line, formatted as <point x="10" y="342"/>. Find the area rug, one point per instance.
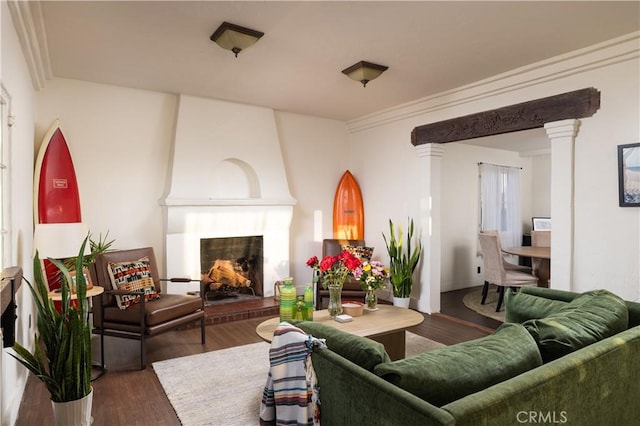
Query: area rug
<point x="224" y="388"/>
<point x="472" y="301"/>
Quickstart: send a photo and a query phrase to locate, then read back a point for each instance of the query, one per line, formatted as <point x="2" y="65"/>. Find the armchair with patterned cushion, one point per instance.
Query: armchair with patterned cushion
<point x="352" y="289"/>
<point x="132" y="305"/>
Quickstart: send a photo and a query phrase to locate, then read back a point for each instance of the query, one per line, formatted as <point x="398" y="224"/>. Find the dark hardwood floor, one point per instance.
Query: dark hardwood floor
<point x="125" y="395"/>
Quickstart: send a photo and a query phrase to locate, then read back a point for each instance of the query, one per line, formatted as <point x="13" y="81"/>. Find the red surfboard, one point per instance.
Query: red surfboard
<point x="348" y="209"/>
<point x="56" y="196"/>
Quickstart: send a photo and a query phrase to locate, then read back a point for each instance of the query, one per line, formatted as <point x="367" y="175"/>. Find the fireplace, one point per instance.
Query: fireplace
<point x="230" y="266"/>
<point x="227" y="180"/>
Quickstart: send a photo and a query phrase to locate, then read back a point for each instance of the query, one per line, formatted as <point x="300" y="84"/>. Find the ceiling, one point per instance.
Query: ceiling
<point x="429" y="47"/>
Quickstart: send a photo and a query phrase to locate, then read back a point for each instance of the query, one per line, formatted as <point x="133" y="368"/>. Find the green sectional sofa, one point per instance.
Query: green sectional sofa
<point x="501" y="379"/>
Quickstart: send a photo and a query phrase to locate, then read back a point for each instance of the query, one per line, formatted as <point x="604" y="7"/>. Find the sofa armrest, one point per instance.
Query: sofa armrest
<point x="351" y="395"/>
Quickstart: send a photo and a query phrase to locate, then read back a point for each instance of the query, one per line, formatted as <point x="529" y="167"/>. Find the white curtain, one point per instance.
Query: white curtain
<point x="500" y="202"/>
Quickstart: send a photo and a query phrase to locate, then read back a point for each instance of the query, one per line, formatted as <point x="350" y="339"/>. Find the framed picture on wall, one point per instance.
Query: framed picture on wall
<point x="629" y="175"/>
<point x="541" y="223"/>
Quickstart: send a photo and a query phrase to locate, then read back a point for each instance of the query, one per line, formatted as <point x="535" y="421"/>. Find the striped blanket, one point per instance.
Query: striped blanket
<point x="290" y="396"/>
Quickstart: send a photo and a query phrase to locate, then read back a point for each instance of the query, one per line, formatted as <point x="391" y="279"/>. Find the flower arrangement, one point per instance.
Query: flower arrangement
<point x="333" y="269"/>
<point x="372" y="275"/>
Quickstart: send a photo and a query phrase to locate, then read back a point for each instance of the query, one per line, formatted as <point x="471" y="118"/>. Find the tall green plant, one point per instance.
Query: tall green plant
<point x="62" y="354"/>
<point x="403" y="260"/>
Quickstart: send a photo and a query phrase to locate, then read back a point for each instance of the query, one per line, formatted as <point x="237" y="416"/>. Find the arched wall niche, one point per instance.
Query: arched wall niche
<point x="235" y="179"/>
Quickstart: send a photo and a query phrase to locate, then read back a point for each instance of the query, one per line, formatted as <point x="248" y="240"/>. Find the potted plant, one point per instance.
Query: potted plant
<point x="402" y="262"/>
<point x="95" y="248"/>
<point x="62" y="354"/>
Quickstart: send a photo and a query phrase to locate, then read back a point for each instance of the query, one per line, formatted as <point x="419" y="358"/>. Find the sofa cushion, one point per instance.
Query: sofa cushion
<point x="588" y="318"/>
<point x="450" y="373"/>
<point x="361" y="351"/>
<point x="521" y="307"/>
<point x="133" y="275"/>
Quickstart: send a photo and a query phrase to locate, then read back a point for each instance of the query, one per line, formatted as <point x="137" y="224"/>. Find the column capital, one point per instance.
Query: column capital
<point x="430" y="150"/>
<point x="562" y="128"/>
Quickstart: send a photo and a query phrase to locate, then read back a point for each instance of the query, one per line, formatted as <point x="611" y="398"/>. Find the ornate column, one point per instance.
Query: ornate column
<point x="429" y="224"/>
<point x="562" y="135"/>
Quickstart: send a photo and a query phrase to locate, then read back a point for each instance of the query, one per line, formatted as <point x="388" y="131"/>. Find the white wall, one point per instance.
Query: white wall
<point x="607" y="240"/>
<point x="315" y="157"/>
<point x="607" y="237"/>
<point x="15" y="79"/>
<point x="120" y="142"/>
<point x="540" y="186"/>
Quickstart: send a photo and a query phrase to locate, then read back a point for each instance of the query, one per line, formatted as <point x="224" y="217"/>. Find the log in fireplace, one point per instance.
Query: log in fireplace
<point x="232" y="265"/>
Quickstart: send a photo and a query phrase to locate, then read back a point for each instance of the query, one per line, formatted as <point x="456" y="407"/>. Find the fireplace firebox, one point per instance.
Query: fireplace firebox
<point x="232" y="265"/>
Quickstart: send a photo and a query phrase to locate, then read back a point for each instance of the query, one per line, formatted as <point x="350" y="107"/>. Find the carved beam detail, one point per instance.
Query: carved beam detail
<point x="527" y="115"/>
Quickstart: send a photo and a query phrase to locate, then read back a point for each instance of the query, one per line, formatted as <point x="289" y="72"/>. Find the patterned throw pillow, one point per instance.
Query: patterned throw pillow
<point x="132" y="276"/>
<point x="361" y="252"/>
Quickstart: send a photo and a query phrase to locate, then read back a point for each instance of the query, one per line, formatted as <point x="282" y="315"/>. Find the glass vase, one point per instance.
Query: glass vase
<point x="371" y="299"/>
<point x="335" y="299"/>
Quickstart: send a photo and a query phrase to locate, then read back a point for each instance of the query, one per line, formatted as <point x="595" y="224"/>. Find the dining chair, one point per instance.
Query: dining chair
<point x="507" y="265"/>
<point x="495" y="271"/>
<point x="541" y="238"/>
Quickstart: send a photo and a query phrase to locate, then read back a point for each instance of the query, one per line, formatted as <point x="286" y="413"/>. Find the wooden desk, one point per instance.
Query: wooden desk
<point x="387" y="325"/>
<point x="540" y="259"/>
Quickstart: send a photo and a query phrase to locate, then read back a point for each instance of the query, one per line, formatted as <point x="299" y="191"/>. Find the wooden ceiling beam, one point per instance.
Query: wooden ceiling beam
<point x="524" y="116"/>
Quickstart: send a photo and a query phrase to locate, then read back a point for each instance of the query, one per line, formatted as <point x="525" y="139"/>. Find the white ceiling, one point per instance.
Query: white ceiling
<point x="429" y="47"/>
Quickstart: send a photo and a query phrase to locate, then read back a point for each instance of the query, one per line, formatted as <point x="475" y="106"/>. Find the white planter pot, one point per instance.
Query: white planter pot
<point x="73" y="413"/>
<point x="401" y="302"/>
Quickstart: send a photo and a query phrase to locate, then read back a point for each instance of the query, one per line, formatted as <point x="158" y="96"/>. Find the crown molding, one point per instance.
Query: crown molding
<point x="600" y="55"/>
<point x="29" y="24"/>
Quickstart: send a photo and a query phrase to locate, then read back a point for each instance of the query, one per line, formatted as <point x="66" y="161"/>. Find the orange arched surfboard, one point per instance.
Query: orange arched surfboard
<point x="348" y="210"/>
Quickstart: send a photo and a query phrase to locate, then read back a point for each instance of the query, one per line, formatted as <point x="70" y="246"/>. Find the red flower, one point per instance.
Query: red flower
<point x="334" y="269"/>
<point x="350" y="261"/>
<point x="327" y="263"/>
<point x="312" y="262"/>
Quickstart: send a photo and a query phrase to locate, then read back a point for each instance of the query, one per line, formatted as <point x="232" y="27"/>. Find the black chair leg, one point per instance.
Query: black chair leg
<point x="102" y="349"/>
<point x="485" y="290"/>
<point x="143" y="353"/>
<point x="202" y="330"/>
<point x="500" y="298"/>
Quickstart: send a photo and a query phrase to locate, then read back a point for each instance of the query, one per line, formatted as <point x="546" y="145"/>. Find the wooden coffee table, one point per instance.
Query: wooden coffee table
<point x="387" y="325"/>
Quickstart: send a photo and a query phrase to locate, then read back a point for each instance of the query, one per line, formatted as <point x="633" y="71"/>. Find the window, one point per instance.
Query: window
<point x="500" y="202"/>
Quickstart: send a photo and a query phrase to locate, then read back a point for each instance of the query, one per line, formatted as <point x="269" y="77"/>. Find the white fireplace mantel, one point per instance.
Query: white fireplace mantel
<point x="227" y="180"/>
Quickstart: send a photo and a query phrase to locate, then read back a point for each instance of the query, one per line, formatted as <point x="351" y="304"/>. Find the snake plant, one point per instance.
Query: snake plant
<point x="62" y="355"/>
<point x="403" y="260"/>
